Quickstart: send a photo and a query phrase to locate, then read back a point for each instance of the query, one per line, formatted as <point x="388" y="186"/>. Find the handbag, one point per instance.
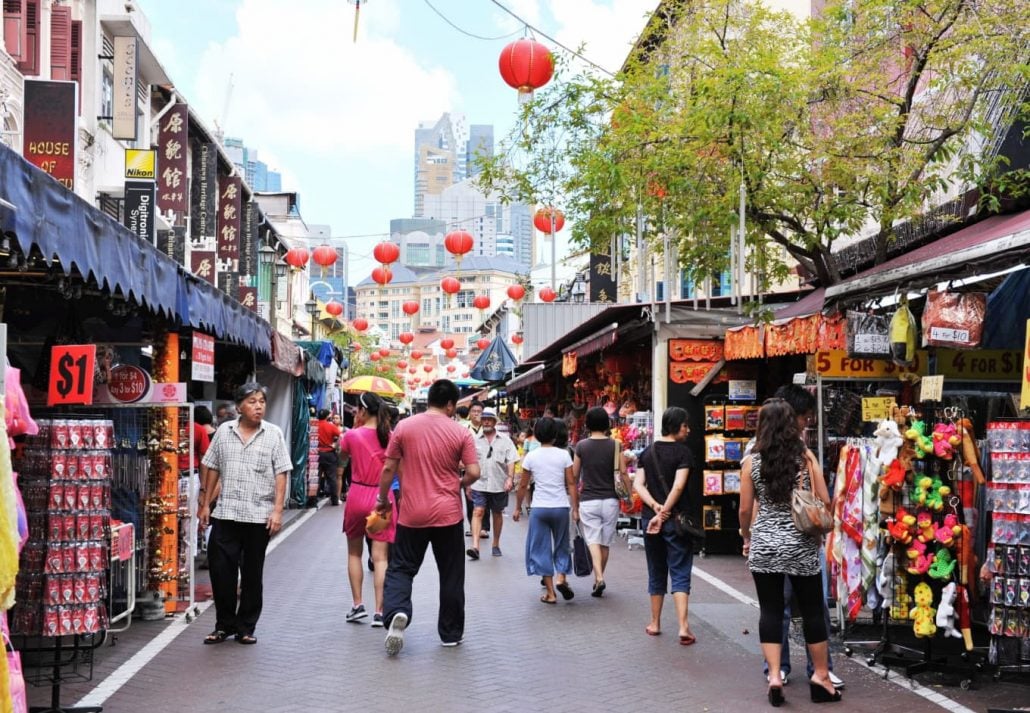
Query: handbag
<point x="685" y="524"/>
<point x="810" y="514"/>
<point x="620" y="486"/>
<point x="581" y="562"/>
<point x="953" y="319"/>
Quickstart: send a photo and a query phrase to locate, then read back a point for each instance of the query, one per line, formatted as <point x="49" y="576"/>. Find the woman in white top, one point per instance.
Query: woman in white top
<point x="547" y="543"/>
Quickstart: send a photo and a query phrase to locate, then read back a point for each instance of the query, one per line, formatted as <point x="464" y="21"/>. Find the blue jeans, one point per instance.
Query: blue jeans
<point x="547" y="542"/>
<point x="788" y="595"/>
<point x="668" y="555"/>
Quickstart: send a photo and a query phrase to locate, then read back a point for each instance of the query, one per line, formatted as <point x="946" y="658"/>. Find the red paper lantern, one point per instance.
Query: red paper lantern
<point x="382" y="275"/>
<point x="427" y="368"/>
<point x="451" y="353"/>
<point x="386" y="252"/>
<point x="458" y="242"/>
<point x="412" y="370"/>
<point x="450" y="368"/>
<point x="360" y="324"/>
<point x="482" y="343"/>
<point x="542" y="219"/>
<point x="516" y="292"/>
<point x="481" y="302"/>
<point x="374" y="356"/>
<point x="334" y="308"/>
<point x="402" y="364"/>
<point x="547" y="294"/>
<point x="450" y="285"/>
<point x="526" y="65"/>
<point x="384" y="352"/>
<point x="381" y="369"/>
<point x="405" y="337"/>
<point x="516" y="339"/>
<point x="324" y="256"/>
<point x="297" y="258"/>
<point x="447" y="343"/>
<point x="416" y="354"/>
<point x="356" y="346"/>
<point x="410" y="307"/>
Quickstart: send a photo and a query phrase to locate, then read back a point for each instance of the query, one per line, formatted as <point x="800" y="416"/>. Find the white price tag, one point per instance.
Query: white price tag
<point x="931" y="388"/>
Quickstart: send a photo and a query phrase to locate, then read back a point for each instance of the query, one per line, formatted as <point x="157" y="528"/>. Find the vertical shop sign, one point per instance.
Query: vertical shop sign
<point x="139" y="209"/>
<point x="203" y="191"/>
<point x="1024" y="399"/>
<point x="248" y="298"/>
<point x="249" y="240"/>
<point x="202" y="263"/>
<point x="228" y="282"/>
<point x="173" y="140"/>
<point x="203" y="357"/>
<point x="50" y="109"/>
<point x="603" y="287"/>
<point x="173" y="243"/>
<point x="126" y="61"/>
<point x="228" y="245"/>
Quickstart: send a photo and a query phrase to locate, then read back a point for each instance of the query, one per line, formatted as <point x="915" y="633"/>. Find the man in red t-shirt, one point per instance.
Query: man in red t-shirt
<point x="328" y="459"/>
<point x="430" y="449"/>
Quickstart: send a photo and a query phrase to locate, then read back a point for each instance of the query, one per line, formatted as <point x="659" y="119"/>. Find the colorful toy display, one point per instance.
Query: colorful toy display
<point x="923" y="614"/>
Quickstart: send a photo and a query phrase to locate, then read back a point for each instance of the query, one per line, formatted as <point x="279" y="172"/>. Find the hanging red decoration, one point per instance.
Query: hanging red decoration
<point x="451" y="353"/>
<point x="416" y="354"/>
<point x="547" y="294"/>
<point x="458" y="242"/>
<point x="516" y="292"/>
<point x="402" y="364"/>
<point x="297" y="258"/>
<point x="481" y="302"/>
<point x="447" y="343"/>
<point x="427" y="368"/>
<point x="410" y="307"/>
<point x="516" y="339"/>
<point x="405" y="337"/>
<point x="526" y="65"/>
<point x="356" y="346"/>
<point x="382" y="275"/>
<point x="450" y="368"/>
<point x="384" y="352"/>
<point x="324" y="256"/>
<point x="334" y="308"/>
<point x="374" y="356"/>
<point x="381" y="369"/>
<point x="450" y="285"/>
<point x="542" y="219"/>
<point x="386" y="253"/>
<point x="482" y="343"/>
<point x="360" y="324"/>
<point x="412" y="370"/>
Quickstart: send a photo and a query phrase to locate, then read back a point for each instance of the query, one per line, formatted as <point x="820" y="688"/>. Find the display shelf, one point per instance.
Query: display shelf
<point x="729" y="427"/>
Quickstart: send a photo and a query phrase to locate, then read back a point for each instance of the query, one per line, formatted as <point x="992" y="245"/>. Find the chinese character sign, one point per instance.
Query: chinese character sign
<point x="203" y="194"/>
<point x="602" y="281"/>
<point x="202" y="263"/>
<point x="229" y="189"/>
<point x="172" y="146"/>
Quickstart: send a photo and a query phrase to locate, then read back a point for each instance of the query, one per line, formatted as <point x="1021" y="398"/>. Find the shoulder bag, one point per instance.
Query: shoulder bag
<point x="582" y="565"/>
<point x="685" y="524"/>
<point x="810" y="514"/>
<point x="620" y="486"/>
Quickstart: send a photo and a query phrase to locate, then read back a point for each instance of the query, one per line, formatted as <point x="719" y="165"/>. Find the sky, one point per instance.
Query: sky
<point x="337" y="117"/>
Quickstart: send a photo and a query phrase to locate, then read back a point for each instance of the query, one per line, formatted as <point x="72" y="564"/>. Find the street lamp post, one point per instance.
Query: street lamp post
<point x="312" y="308"/>
<point x="266" y="258"/>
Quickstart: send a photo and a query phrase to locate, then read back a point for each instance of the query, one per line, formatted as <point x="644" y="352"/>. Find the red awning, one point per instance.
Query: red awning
<point x="811" y="303"/>
<point x="597" y="341"/>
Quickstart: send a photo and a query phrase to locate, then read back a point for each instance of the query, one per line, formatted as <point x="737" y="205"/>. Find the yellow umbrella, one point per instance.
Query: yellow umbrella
<point x="376" y="384"/>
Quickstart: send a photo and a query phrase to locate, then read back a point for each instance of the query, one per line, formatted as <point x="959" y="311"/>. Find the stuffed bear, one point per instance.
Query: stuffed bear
<point x="943" y="565"/>
<point x="946" y="612"/>
<point x="900" y="526"/>
<point x="888" y="441"/>
<point x="917" y="434"/>
<point x="945" y="438"/>
<point x="923" y="613"/>
<point x="946" y="533"/>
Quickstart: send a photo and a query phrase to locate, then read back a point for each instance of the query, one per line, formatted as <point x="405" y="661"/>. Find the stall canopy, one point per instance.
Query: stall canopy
<point x="495" y="363"/>
<point x="597" y="341"/>
<point x="534" y="375"/>
<point x="45" y="215"/>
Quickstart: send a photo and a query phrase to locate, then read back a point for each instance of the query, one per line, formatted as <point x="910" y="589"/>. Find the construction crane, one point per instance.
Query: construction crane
<point x="220" y="122"/>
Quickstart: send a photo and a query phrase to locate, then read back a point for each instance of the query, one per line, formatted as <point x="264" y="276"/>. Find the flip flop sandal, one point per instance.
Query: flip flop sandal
<point x="651" y="632"/>
<point x="246" y="639"/>
<point x="545" y="600"/>
<point x="565" y="590"/>
<point x="688" y="640"/>
<point x="216" y="637"/>
<point x="473" y="553"/>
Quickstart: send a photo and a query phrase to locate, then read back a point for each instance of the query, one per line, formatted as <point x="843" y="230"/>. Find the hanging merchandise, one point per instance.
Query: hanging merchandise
<point x="954" y="319"/>
<point x="903" y="335"/>
<point x="868" y="335"/>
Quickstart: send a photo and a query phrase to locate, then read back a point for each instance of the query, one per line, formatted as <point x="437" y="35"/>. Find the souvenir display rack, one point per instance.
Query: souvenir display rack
<point x="729" y="426"/>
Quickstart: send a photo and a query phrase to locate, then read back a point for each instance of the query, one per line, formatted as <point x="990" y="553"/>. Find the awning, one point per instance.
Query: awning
<point x="62" y="226"/>
<point x="534" y="375"/>
<point x="994" y="242"/>
<point x="495" y="363"/>
<point x="597" y="341"/>
<point x="811" y="303"/>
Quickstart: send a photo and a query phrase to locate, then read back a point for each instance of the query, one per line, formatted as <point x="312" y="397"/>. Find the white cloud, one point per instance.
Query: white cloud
<point x="607" y="31"/>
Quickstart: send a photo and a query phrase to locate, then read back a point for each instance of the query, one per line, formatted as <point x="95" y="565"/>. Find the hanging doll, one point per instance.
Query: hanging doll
<point x="946" y="612"/>
<point x="923" y="613"/>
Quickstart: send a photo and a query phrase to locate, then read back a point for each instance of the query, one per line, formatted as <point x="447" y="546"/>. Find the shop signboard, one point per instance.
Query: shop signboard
<point x="248" y="298"/>
<point x="71" y="374"/>
<point x="603" y="287"/>
<point x="979" y="365"/>
<point x="126" y="64"/>
<point x="172" y="141"/>
<point x="140" y="164"/>
<point x="743" y="390"/>
<point x="1024" y="398"/>
<point x="139" y="209"/>
<point x="228" y="243"/>
<point x="202" y="263"/>
<point x="131" y="384"/>
<point x="249" y="240"/>
<point x="877" y="408"/>
<point x="836" y="364"/>
<point x="203" y="362"/>
<point x="203" y="195"/>
<point x="49" y="140"/>
<point x="173" y="243"/>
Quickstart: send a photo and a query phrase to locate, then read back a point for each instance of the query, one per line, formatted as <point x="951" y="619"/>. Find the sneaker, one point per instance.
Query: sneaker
<point x="356" y="613"/>
<point x="483" y="534"/>
<point x="451" y="644"/>
<point x="496" y="552"/>
<point x="395" y="634"/>
<point x="783" y="676"/>
<point x="377" y="620"/>
<point x="836" y="680"/>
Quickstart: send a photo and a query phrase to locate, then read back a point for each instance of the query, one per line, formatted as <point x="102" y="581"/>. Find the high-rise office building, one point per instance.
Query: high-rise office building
<point x="480" y="143"/>
<point x="445" y="154"/>
<point x="254" y="171"/>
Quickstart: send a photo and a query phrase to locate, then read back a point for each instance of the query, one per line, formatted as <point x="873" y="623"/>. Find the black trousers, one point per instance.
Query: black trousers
<point x="406" y="556"/>
<point x="236" y="551"/>
<point x="808" y="591"/>
<point x="327" y="465"/>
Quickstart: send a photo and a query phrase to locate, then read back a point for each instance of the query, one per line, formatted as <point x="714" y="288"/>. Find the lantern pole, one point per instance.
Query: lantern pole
<point x="554" y="253"/>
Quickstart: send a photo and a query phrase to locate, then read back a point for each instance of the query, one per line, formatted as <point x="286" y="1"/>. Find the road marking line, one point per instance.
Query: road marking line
<point x="121" y="675"/>
<point x="935" y="697"/>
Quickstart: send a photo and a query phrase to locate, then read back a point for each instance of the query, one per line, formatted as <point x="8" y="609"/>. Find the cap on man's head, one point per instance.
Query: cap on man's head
<point x="489" y="413"/>
<point x="244" y="391"/>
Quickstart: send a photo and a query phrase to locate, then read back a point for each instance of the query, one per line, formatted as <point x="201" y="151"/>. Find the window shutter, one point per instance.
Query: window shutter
<point x="29" y="62"/>
<point x="60" y="42"/>
<point x="14" y="28"/>
<point x="75" y="57"/>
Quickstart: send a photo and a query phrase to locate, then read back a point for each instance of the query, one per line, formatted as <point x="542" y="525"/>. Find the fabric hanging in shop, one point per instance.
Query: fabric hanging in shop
<point x="832" y="333"/>
<point x="1008" y="309"/>
<point x="747" y="342"/>
<point x="795" y="336"/>
<point x="322" y="351"/>
<point x="286" y="356"/>
<point x="709" y="350"/>
<point x="569" y="364"/>
<point x="300" y="427"/>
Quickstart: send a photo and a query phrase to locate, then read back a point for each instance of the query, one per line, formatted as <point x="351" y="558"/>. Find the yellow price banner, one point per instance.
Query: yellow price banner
<point x="837" y="364"/>
<point x="980" y="365"/>
<point x="877" y="408"/>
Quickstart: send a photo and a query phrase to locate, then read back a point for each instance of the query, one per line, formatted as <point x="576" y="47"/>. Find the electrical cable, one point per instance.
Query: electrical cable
<point x="466" y="32"/>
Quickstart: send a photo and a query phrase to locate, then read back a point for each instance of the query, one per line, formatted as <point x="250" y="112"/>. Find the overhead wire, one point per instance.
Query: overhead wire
<point x="466" y="32"/>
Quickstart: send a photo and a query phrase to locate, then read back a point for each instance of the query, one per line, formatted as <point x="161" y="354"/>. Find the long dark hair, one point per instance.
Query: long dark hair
<point x="375" y="406"/>
<point x="779" y="442"/>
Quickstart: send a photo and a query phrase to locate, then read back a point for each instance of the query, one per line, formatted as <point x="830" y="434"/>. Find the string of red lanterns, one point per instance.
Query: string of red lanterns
<point x="324" y="256"/>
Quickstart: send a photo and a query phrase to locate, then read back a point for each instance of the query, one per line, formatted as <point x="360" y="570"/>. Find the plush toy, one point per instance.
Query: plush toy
<point x="922" y="613"/>
<point x="900" y="526"/>
<point x="923" y="483"/>
<point x="936" y="494"/>
<point x="946" y="612"/>
<point x="902" y="600"/>
<point x="922" y="561"/>
<point x="917" y="434"/>
<point x="970" y="453"/>
<point x="885" y="579"/>
<point x="943" y="564"/>
<point x="945" y="438"/>
<point x="894" y="478"/>
<point x="924" y="526"/>
<point x="888" y="441"/>
<point x="945" y="534"/>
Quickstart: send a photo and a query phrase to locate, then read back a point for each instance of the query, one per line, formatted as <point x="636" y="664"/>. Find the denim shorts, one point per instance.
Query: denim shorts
<point x="669" y="557"/>
<point x="493" y="502"/>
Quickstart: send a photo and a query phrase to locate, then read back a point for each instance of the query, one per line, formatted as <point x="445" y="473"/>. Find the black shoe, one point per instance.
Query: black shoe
<point x="821" y="695"/>
<point x="776" y="698"/>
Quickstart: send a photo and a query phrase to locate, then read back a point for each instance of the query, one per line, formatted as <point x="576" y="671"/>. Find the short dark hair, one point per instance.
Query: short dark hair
<point x="202" y="415"/>
<point x="798" y="397"/>
<point x="673" y="419"/>
<point x="545" y="429"/>
<point x="323" y="414"/>
<point x="561" y="438"/>
<point x="441" y="393"/>
<point x="462" y="411"/>
<point x="597" y="419"/>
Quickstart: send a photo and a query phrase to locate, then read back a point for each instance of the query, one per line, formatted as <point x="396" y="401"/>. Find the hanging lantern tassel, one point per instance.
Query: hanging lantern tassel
<point x="357" y="13"/>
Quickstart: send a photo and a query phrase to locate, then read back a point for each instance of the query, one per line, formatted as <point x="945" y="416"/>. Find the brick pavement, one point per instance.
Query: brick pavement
<point x="587" y="654"/>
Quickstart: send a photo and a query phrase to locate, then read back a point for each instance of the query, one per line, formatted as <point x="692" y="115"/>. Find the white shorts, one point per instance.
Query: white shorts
<point x="598" y="518"/>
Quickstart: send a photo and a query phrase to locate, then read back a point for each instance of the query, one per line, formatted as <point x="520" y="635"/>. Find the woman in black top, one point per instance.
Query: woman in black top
<point x="661" y="481"/>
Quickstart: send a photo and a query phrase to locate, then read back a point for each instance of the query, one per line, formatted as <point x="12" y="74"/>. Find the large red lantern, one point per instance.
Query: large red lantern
<point x="447" y="343"/>
<point x="384" y="352"/>
<point x="324" y="256"/>
<point x="334" y="308"/>
<point x="547" y="294"/>
<point x="526" y="65"/>
<point x="516" y="292"/>
<point x="482" y="343"/>
<point x="402" y="364"/>
<point x="458" y="242"/>
<point x="450" y="285"/>
<point x="516" y="339"/>
<point x="450" y="368"/>
<point x="451" y="353"/>
<point x="386" y="253"/>
<point x="416" y="354"/>
<point x="297" y="258"/>
<point x="382" y="275"/>
<point x="405" y="337"/>
<point x="410" y="307"/>
<point x="427" y="368"/>
<point x="481" y="302"/>
<point x="360" y="324"/>
<point x="542" y="219"/>
<point x="374" y="356"/>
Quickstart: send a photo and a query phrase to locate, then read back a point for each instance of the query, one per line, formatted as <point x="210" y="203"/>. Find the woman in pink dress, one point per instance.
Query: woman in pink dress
<point x="365" y="445"/>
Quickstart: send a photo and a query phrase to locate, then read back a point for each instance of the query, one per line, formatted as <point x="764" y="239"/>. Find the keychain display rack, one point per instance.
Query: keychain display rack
<point x="729" y="426"/>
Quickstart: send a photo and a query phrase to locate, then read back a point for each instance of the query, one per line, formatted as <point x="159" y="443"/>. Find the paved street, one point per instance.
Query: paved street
<point x="589" y="654"/>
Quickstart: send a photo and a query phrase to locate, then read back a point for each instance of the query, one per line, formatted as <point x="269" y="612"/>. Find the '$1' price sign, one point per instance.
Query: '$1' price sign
<point x="71" y="374"/>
